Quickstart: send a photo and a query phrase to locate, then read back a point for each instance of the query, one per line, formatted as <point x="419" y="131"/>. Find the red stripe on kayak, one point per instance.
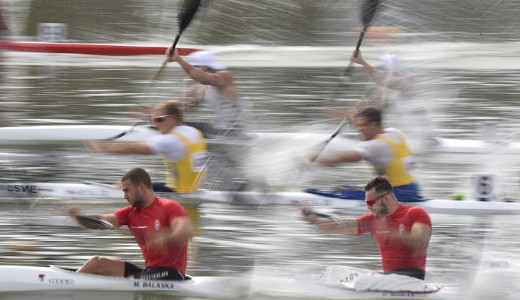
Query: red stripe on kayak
<point x="89" y="49"/>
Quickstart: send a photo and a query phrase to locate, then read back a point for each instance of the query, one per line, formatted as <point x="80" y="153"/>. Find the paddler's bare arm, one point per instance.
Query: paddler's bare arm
<point x="118" y="148"/>
<point x="371" y="71"/>
<point x="328" y="224"/>
<point x="181" y="230"/>
<point x="222" y="80"/>
<point x="193" y="97"/>
<point x="73" y="212"/>
<point x="393" y="82"/>
<point x="334" y="158"/>
<point x="179" y="233"/>
<point x="419" y="236"/>
<point x="216" y="79"/>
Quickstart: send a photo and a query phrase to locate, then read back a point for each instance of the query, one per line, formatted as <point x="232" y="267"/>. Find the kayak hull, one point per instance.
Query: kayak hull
<point x="75" y="134"/>
<point x="94" y="191"/>
<point x="90" y="49"/>
<point x="34" y="279"/>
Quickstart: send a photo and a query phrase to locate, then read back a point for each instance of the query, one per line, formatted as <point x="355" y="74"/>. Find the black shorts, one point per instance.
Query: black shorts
<point x="416" y="273"/>
<point x="153" y="273"/>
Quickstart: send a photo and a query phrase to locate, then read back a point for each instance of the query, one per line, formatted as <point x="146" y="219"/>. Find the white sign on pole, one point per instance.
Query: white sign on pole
<point x="484" y="187"/>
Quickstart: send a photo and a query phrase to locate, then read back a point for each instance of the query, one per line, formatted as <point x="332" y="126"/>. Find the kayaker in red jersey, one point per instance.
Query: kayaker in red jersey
<point x="161" y="228"/>
<point x="402" y="232"/>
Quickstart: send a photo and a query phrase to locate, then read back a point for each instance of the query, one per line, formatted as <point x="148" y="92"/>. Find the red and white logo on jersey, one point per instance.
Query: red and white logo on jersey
<point x="401" y="228"/>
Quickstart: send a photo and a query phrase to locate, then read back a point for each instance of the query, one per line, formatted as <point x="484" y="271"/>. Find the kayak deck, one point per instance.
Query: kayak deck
<point x="53" y="278"/>
<point x="63" y="134"/>
<point x="58" y="279"/>
<point x="94" y="191"/>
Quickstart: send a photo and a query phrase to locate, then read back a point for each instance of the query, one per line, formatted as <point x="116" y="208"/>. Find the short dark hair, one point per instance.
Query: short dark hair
<point x="372" y="114"/>
<point x="381" y="184"/>
<point x="172" y="108"/>
<point x="138" y="176"/>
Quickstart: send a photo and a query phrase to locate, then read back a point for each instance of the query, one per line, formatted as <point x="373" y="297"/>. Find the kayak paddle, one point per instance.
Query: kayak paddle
<point x="330" y="138"/>
<point x="103" y="223"/>
<point x="186" y="13"/>
<point x="368" y="11"/>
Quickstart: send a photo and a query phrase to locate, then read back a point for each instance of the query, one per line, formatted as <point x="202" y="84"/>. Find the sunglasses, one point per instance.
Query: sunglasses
<point x="361" y="126"/>
<point x="160" y="119"/>
<point x="370" y="203"/>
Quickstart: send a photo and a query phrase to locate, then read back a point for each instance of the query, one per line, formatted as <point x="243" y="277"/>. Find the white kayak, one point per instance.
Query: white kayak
<point x="93" y="190"/>
<point x="346" y="283"/>
<point x="53" y="278"/>
<point x="64" y="134"/>
<point x="16" y="279"/>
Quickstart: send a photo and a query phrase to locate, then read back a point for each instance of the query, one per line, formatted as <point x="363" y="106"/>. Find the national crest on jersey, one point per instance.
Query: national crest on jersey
<point x="401" y="228"/>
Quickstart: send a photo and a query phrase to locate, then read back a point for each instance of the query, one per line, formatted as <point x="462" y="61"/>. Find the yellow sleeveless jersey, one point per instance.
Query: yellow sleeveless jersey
<point x="397" y="170"/>
<point x="185" y="175"/>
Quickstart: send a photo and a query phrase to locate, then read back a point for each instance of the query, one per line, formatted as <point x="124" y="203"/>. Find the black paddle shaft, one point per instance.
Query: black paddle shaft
<point x="368" y="11"/>
<point x="186" y="14"/>
<point x="327" y="141"/>
<point x="122" y="134"/>
<point x="95" y="221"/>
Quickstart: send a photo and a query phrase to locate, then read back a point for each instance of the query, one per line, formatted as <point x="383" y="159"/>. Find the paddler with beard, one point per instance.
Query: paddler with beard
<point x="402" y="232"/>
<point x="161" y="228"/>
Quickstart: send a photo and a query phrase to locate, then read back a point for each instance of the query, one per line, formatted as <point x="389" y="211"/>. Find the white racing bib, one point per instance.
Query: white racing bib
<point x="409" y="163"/>
<point x="198" y="161"/>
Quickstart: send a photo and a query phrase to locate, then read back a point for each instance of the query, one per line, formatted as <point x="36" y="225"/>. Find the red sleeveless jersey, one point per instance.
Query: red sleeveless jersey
<point x="145" y="221"/>
<point x="396" y="254"/>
